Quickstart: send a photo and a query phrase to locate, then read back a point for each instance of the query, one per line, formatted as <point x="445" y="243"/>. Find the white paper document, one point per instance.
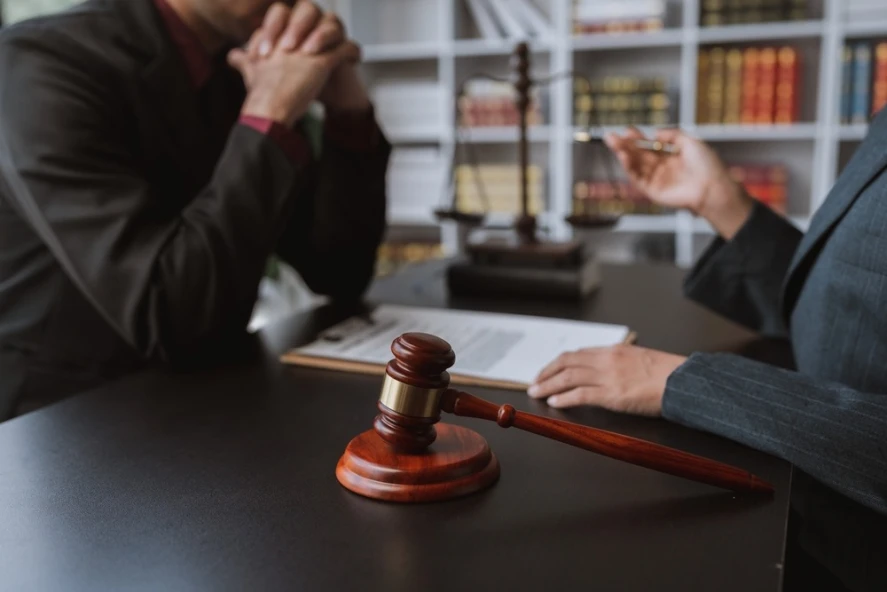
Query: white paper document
<point x="498" y="347"/>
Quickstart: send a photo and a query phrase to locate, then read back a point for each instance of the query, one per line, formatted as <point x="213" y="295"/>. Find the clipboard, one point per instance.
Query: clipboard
<point x="294" y="358"/>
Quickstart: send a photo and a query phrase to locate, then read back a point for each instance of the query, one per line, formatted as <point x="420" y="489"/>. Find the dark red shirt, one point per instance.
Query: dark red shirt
<point x="355" y="132"/>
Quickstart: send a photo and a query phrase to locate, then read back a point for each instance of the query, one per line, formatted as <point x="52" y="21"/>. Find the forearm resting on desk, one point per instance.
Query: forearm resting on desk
<point x="829" y="430"/>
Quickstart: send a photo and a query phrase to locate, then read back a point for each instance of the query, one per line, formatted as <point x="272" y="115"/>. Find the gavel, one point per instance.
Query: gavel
<point x="395" y="461"/>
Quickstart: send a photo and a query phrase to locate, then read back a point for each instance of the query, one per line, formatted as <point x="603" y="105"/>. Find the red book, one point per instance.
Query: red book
<point x="769" y="188"/>
<point x="777" y="183"/>
<point x="756" y="184"/>
<point x="765" y="108"/>
<point x="478" y="113"/>
<point x="489" y="111"/>
<point x="465" y="116"/>
<point x="750" y="68"/>
<point x="498" y="112"/>
<point x="787" y="83"/>
<point x="879" y="88"/>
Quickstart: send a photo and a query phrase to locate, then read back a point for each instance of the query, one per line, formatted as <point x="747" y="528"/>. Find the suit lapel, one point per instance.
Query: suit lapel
<point x="164" y="78"/>
<point x="868" y="161"/>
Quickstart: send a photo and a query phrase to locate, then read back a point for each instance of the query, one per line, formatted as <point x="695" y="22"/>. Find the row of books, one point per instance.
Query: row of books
<point x="716" y="13"/>
<point x="863" y="81"/>
<point x="495" y="188"/>
<point x="755" y="85"/>
<point x="618" y="16"/>
<point x="392" y="256"/>
<point x="622" y="100"/>
<point x="766" y="183"/>
<point x="603" y="198"/>
<point x="497" y="19"/>
<point x="417" y="179"/>
<point x="508" y="19"/>
<point x="489" y="103"/>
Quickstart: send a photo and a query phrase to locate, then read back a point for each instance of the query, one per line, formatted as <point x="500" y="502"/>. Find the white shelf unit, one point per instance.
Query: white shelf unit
<point x="815" y="150"/>
<point x="394" y="52"/>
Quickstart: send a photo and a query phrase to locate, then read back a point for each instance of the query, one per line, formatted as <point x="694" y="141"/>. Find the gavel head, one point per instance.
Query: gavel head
<point x="410" y="401"/>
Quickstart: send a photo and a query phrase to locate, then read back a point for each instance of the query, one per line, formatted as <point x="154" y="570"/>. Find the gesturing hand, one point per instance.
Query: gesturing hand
<point x="623" y="378"/>
<point x="695" y="179"/>
<point x="679" y="181"/>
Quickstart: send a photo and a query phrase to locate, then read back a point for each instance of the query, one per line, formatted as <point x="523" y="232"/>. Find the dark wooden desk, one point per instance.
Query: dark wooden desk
<point x="224" y="480"/>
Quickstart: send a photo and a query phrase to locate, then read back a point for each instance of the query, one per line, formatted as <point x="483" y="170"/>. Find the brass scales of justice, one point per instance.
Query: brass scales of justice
<point x="522" y="258"/>
<point x="521" y="263"/>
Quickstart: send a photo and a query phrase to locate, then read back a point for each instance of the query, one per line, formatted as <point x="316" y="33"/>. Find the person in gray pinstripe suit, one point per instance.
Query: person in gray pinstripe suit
<point x="826" y="291"/>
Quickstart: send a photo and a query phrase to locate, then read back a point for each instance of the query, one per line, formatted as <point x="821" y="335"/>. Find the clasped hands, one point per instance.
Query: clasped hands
<point x="298" y="56"/>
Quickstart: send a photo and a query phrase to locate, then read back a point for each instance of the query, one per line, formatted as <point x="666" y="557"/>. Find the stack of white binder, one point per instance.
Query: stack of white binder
<point x="509" y="19"/>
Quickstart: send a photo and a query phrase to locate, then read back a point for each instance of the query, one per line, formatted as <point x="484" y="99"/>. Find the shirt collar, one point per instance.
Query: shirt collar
<point x="197" y="61"/>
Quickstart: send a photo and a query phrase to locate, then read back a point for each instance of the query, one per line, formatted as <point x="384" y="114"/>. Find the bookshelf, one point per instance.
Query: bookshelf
<point x="814" y="149"/>
<point x="780" y="31"/>
<point x="395" y="52"/>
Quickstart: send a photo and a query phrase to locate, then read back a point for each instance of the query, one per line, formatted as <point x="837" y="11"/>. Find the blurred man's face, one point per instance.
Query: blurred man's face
<point x="235" y="19"/>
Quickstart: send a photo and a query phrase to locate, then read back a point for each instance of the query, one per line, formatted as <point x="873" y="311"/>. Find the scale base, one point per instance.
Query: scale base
<point x="568" y="271"/>
<point x="503" y="252"/>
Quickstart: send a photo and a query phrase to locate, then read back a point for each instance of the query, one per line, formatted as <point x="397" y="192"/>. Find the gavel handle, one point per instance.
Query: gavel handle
<point x="625" y="448"/>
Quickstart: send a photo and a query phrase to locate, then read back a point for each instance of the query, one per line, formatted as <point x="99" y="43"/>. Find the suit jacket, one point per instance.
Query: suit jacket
<point x="827" y="291"/>
<point x="137" y="216"/>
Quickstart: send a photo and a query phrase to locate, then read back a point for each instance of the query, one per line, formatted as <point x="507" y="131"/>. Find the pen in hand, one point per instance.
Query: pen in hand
<point x="657" y="146"/>
<point x="664" y="148"/>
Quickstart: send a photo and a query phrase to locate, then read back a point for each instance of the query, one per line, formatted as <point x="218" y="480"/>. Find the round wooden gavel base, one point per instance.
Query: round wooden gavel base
<point x="458" y="463"/>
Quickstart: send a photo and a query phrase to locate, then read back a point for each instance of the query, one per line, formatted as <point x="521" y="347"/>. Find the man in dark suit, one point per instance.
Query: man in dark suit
<point x="826" y="291"/>
<point x="145" y="180"/>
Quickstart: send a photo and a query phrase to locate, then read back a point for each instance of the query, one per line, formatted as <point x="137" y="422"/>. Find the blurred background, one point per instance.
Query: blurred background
<point x="783" y="89"/>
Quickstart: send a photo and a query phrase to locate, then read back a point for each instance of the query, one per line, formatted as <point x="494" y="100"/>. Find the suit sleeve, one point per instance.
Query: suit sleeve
<point x="333" y="241"/>
<point x="830" y="431"/>
<point x="742" y="279"/>
<point x="167" y="279"/>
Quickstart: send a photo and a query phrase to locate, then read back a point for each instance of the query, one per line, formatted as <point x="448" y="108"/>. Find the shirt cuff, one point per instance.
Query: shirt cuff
<point x="293" y="144"/>
<point x="357" y="132"/>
